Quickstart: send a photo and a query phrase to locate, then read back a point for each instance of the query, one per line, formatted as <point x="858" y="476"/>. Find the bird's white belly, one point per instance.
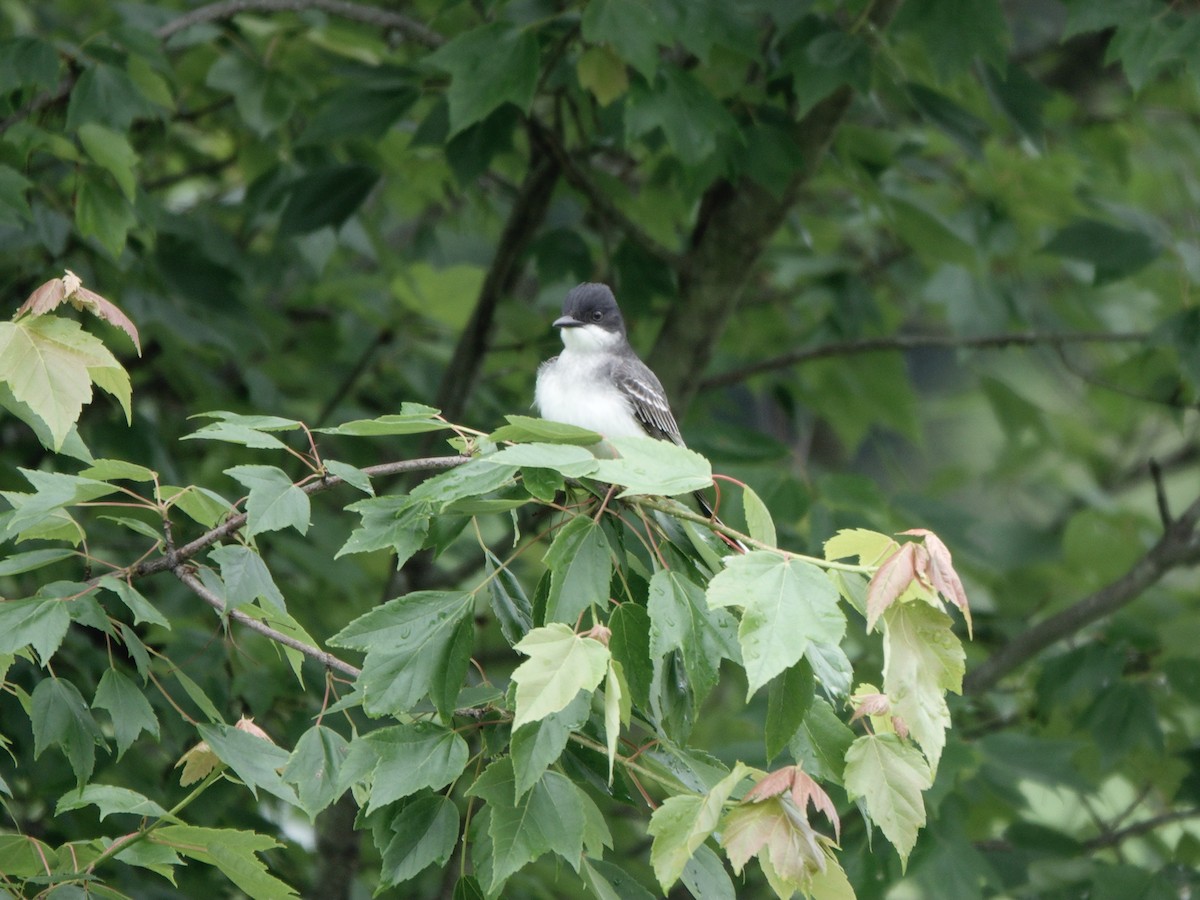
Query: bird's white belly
<point x="570" y="389"/>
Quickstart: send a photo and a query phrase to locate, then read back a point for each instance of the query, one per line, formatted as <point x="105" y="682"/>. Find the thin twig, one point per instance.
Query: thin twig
<point x="184" y="574"/>
<point x="1160" y="492"/>
<point x="1137" y="829"/>
<point x="921" y="341"/>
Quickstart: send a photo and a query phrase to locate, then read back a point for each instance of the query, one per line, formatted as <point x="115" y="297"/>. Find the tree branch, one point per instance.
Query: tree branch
<point x="326" y="659"/>
<point x="357" y="12"/>
<point x="1179" y="545"/>
<point x="1137" y="829"/>
<point x="234" y="523"/>
<point x="920" y="341"/>
<point x="528" y="211"/>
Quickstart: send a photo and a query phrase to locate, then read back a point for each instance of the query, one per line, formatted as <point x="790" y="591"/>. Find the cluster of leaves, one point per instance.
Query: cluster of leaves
<point x="622" y="694"/>
<point x="319" y="210"/>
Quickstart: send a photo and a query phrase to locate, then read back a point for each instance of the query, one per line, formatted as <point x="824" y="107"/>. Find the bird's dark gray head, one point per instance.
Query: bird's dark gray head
<point x="591" y="305"/>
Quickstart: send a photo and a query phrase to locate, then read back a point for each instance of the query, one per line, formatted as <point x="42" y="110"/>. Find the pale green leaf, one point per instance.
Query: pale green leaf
<point x="560" y="665"/>
<point x="680" y="619"/>
<point x="649" y="466"/>
<point x="535" y="430"/>
<point x="255" y="761"/>
<point x="682" y="823"/>
<point x="569" y="460"/>
<point x="868" y="546"/>
<point x="42" y="623"/>
<point x="922" y="659"/>
<point x="617" y="710"/>
<point x="758" y="518"/>
<point x="352" y="475"/>
<point x="786" y="603"/>
<point x="890" y="776"/>
<point x="111" y="151"/>
<point x="33" y="559"/>
<point x="537" y="745"/>
<point x="141" y="608"/>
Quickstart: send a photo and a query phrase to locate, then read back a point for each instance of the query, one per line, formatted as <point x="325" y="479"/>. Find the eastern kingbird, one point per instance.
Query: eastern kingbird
<point x="598" y="382"/>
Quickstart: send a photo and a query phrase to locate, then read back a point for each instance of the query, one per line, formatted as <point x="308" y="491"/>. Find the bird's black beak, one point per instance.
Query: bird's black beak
<point x="567" y="322"/>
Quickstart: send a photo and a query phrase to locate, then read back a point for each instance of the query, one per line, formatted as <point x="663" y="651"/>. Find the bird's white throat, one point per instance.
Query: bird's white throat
<point x="589" y="339"/>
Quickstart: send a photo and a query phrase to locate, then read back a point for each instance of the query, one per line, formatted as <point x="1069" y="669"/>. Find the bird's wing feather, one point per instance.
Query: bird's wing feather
<point x="647" y="398"/>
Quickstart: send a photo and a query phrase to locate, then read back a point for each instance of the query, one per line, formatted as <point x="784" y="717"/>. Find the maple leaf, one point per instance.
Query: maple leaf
<point x="941" y="574"/>
<point x="922" y="659"/>
<point x="776" y="832"/>
<point x="561" y="664"/>
<point x="69" y="288"/>
<point x="802" y="789"/>
<point x="890" y="776"/>
<point x="890" y="581"/>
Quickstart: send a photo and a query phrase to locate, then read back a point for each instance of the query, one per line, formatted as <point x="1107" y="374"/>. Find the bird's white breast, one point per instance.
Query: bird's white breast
<point x="574" y="388"/>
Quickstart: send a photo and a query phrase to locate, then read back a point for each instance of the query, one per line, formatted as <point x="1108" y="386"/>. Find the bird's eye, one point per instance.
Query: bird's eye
<point x="597" y="315"/>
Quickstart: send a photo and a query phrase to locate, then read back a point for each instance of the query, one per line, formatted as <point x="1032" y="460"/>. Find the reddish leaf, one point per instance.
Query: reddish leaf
<point x="803" y="790"/>
<point x="871" y="705"/>
<point x="108" y="311"/>
<point x="941" y="573"/>
<point x="890" y="581"/>
<point x="44" y="298"/>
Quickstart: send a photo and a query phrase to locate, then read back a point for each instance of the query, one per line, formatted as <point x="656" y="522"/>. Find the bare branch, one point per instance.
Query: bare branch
<point x="1137" y="829"/>
<point x="326" y="659"/>
<point x="1178" y="546"/>
<point x="357" y="12"/>
<point x="920" y="341"/>
<point x="235" y="523"/>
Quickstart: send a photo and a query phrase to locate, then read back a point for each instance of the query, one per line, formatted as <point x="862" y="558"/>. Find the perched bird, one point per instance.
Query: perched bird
<point x="598" y="382"/>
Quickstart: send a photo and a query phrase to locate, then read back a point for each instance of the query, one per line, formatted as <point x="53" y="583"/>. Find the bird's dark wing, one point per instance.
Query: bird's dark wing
<point x="647" y="398"/>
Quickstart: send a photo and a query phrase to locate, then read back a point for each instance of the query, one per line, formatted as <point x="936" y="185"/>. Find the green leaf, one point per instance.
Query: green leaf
<point x="110" y="799"/>
<point x="14" y="205"/>
<point x="705" y="876"/>
<point x="513" y="610"/>
<point x="326" y="196"/>
<point x="40" y="623"/>
<point x="537" y="745"/>
<point x="568" y="460"/>
<point x="231" y="851"/>
<point x="60" y="717"/>
<point x="413" y="418"/>
<point x="409" y="643"/>
<point x="1114" y="252"/>
<point x="890" y="776"/>
<point x="580" y="562"/>
<point x="274" y="502"/>
<point x="868" y="546"/>
<point x="692" y="119"/>
<point x="47" y="362"/>
<point x="118" y="470"/>
<point x="956" y="33"/>
<point x="758" y="518"/>
<point x="489" y="66"/>
<point x="352" y="475"/>
<point x="649" y="466"/>
<point x="131" y="712"/>
<point x="196" y="693"/>
<point x="33" y="559"/>
<point x="424" y="833"/>
<point x="821" y="58"/>
<point x="601" y="71"/>
<point x="821" y="743"/>
<point x="533" y="429"/>
<point x="141" y="608"/>
<point x="922" y="659"/>
<point x="635" y="30"/>
<point x="235" y="433"/>
<point x="27" y="60"/>
<point x="246" y="576"/>
<point x="608" y="881"/>
<point x="681" y="619"/>
<point x="549" y="818"/>
<point x="785" y="604"/>
<point x="394" y="521"/>
<point x="560" y="665"/>
<point x="111" y="151"/>
<point x="472" y="479"/>
<point x="103" y="213"/>
<point x="617" y="710"/>
<point x="255" y="761"/>
<point x="106" y="94"/>
<point x="629" y="645"/>
<point x="682" y="823"/>
<point x="413" y="757"/>
<point x="313" y="768"/>
<point x="789" y="696"/>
